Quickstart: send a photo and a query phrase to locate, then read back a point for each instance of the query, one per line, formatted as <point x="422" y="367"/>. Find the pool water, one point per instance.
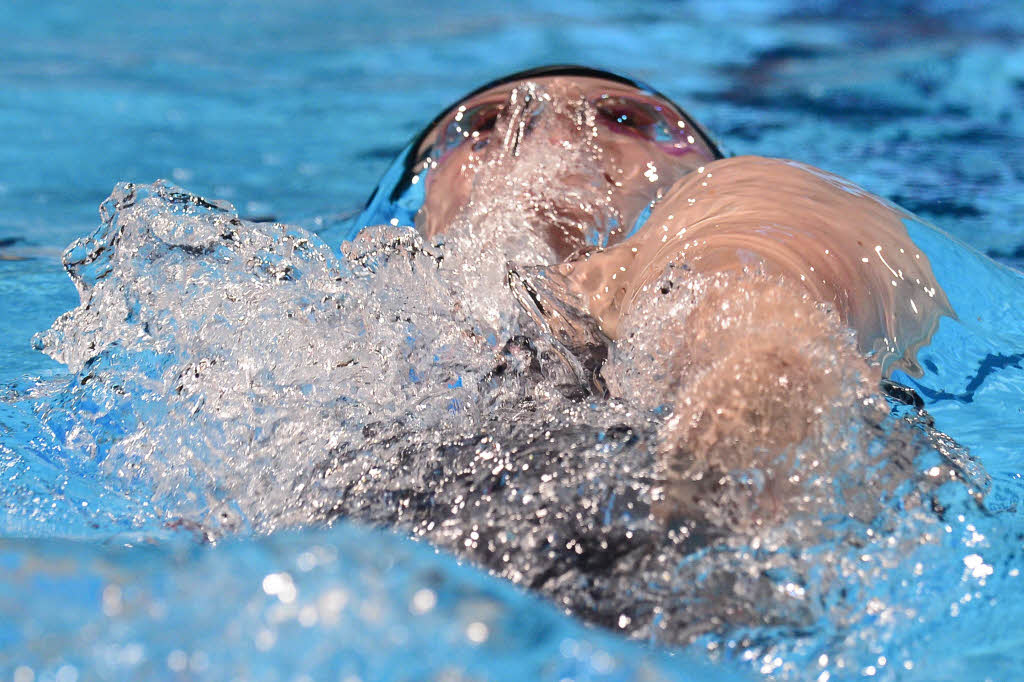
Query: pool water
<point x="188" y="490"/>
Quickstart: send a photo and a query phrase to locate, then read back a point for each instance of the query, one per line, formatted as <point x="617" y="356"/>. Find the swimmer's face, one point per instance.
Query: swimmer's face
<point x="637" y="144"/>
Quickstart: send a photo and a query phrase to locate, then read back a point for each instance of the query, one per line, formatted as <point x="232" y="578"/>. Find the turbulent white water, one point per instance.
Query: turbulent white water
<point x="237" y="356"/>
<point x="239" y="377"/>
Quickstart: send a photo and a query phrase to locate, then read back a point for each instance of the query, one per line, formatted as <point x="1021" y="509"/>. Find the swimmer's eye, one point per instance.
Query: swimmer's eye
<point x="482" y="119"/>
<point x="469" y="126"/>
<point x="629" y="116"/>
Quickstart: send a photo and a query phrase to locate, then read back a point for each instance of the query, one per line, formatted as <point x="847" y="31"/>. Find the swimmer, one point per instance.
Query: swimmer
<point x="777" y="261"/>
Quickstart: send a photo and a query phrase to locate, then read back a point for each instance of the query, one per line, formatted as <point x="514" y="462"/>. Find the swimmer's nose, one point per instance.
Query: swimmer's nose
<point x="525" y="104"/>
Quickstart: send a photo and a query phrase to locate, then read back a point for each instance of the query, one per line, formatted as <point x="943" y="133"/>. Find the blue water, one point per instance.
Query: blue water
<point x="294" y="113"/>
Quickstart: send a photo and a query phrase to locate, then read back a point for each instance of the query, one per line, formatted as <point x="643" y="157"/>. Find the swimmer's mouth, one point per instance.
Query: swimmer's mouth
<point x="548" y="302"/>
